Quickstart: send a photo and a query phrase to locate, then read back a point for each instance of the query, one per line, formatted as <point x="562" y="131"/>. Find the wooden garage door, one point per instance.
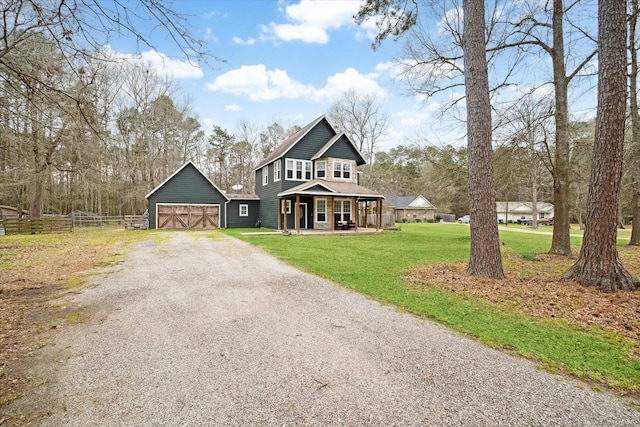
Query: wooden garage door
<point x="188" y="216"/>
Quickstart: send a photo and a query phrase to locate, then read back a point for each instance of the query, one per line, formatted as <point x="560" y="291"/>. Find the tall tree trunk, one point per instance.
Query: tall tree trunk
<point x="486" y="259"/>
<point x="598" y="264"/>
<point x="635" y="126"/>
<point x="560" y="243"/>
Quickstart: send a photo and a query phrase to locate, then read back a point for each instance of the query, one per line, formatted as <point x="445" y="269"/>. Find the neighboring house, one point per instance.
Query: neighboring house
<point x="514" y="211"/>
<point x="409" y="208"/>
<point x="308" y="182"/>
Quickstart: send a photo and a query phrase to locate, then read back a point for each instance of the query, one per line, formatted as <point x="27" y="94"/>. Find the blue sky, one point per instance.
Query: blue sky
<point x="285" y="61"/>
<point x="289" y="60"/>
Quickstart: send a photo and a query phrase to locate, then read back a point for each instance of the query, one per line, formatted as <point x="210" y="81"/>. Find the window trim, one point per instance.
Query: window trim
<point x="318" y="212"/>
<point x="287" y="203"/>
<point x="342" y="167"/>
<point x="324" y="169"/>
<point x="243" y="207"/>
<point x="265" y="175"/>
<point x="277" y="173"/>
<point x="298" y="165"/>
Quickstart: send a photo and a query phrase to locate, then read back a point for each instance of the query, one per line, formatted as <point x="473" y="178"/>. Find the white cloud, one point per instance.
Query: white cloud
<point x="259" y="84"/>
<point x="232" y="107"/>
<point x="350" y="79"/>
<point x="170" y="67"/>
<point x="250" y="41"/>
<point x="311" y="20"/>
<point x="159" y="63"/>
<point x="413" y="118"/>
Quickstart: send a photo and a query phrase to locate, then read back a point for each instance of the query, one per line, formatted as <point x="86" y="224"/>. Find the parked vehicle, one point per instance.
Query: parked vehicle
<point x="464" y="219"/>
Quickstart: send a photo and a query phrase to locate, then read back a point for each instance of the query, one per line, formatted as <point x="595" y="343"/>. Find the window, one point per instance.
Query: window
<point x="244" y="210"/>
<point x="298" y="170"/>
<point x="341" y="170"/>
<point x="321" y="210"/>
<point x="276" y="171"/>
<point x="342" y="210"/>
<point x="286" y="203"/>
<point x="289" y="169"/>
<point x="346" y="170"/>
<point x="265" y="175"/>
<point x="321" y="169"/>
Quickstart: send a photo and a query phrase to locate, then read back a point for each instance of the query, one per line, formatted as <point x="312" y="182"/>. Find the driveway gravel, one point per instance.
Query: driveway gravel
<point x="194" y="330"/>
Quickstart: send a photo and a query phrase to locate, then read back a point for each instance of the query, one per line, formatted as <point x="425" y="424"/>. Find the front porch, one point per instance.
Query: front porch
<point x="329" y="207"/>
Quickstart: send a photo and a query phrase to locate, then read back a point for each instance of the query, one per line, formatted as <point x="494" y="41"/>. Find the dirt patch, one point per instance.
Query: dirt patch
<point x="532" y="286"/>
<point x="34" y="275"/>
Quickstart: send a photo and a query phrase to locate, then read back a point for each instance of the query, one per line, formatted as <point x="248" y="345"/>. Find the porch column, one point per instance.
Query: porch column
<point x="297" y="215"/>
<point x="330" y="209"/>
<point x="357" y="215"/>
<point x="284" y="209"/>
<point x="378" y="215"/>
<point x="279" y="210"/>
<point x="366" y="214"/>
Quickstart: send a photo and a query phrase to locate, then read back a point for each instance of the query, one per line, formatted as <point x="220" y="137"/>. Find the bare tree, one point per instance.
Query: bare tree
<point x="361" y="117"/>
<point x="598" y="264"/>
<point x="525" y="129"/>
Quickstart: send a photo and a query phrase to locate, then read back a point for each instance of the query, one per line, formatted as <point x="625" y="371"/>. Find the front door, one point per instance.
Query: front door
<point x="303" y="215"/>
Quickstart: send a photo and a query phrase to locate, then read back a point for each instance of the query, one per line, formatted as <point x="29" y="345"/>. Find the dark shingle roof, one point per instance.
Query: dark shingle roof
<point x="288" y="143"/>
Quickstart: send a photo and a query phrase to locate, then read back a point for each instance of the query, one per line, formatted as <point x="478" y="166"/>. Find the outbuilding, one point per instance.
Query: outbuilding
<point x="187" y="199"/>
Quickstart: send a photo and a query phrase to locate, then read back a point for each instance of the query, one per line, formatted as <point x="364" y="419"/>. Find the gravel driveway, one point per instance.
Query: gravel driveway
<point x="200" y="331"/>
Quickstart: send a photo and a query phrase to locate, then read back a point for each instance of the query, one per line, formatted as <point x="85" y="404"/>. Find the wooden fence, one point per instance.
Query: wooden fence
<point x="36" y="225"/>
<point x="136" y="222"/>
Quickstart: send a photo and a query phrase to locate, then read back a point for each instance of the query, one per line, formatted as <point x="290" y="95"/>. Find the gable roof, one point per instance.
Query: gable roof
<point x="359" y="161"/>
<point x="180" y="170"/>
<point x="320" y="187"/>
<point x="412" y="202"/>
<point x="288" y="143"/>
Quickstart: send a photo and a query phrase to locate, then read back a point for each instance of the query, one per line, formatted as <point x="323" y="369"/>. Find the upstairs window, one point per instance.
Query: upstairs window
<point x="298" y="170"/>
<point x="342" y="170"/>
<point x="321" y="169"/>
<point x="265" y="175"/>
<point x="276" y="171"/>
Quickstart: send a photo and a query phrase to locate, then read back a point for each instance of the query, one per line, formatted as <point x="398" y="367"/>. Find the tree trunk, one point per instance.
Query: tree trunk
<point x="485" y="259"/>
<point x="598" y="264"/>
<point x="635" y="127"/>
<point x="561" y="243"/>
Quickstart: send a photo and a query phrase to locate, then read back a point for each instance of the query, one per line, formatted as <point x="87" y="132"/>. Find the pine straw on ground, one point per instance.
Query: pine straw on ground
<point x="534" y="287"/>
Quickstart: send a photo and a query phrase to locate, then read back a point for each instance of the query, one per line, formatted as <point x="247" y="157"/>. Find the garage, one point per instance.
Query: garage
<point x="187" y="199"/>
<point x="179" y="216"/>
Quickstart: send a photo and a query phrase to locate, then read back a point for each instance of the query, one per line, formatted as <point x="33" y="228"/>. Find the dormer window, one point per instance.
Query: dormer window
<point x="321" y="169"/>
<point x="342" y="170"/>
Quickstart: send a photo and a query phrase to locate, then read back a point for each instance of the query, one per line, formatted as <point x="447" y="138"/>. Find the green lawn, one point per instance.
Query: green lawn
<point x="376" y="264"/>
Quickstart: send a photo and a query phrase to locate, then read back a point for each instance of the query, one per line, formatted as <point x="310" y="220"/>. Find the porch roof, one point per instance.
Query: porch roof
<point x="321" y="187"/>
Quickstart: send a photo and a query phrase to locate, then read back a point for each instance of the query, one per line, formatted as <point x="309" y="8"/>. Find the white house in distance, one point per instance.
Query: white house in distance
<point x="514" y="211"/>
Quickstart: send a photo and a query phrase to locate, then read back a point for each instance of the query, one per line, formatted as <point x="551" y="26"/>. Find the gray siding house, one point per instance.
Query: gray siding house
<point x="308" y="182"/>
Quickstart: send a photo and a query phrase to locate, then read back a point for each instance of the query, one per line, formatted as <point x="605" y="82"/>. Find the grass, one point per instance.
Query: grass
<point x="375" y="265"/>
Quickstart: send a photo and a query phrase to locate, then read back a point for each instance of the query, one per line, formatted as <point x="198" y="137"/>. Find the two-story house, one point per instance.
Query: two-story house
<point x="311" y="182"/>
